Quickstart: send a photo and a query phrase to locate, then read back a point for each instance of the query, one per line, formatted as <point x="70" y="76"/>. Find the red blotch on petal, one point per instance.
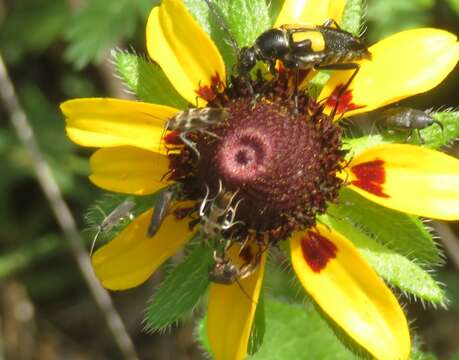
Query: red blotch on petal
<point x="370" y="177"/>
<point x="173" y="138"/>
<point x="344" y="101"/>
<point x="317" y="251"/>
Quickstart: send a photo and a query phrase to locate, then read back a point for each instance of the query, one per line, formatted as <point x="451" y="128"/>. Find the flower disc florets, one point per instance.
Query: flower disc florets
<point x="281" y="161"/>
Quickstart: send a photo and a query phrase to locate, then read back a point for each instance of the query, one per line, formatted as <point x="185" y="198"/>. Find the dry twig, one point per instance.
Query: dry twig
<point x="62" y="213"/>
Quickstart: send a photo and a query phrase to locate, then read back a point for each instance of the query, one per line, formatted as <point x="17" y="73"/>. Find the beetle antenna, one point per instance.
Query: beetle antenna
<point x="213" y="9"/>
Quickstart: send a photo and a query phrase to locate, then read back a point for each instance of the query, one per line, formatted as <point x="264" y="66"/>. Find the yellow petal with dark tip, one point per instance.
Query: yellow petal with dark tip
<point x="184" y="51"/>
<point x="347" y="289"/>
<point x="408" y="178"/>
<point x="231" y="310"/>
<point x="104" y="122"/>
<point x="404" y="64"/>
<point x="132" y="257"/>
<point x="310" y="11"/>
<point x="129" y="170"/>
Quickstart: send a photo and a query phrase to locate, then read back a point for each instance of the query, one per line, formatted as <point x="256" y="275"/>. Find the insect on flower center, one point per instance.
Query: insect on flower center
<point x="268" y="168"/>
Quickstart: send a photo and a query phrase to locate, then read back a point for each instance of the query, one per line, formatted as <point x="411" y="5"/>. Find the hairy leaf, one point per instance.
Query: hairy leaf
<point x="147" y="80"/>
<point x="396" y="269"/>
<point x="397" y="231"/>
<point x="352" y="16"/>
<point x="258" y="327"/>
<point x="97" y="27"/>
<point x="245" y="20"/>
<point x="180" y="292"/>
<point x="432" y="136"/>
<point x="298" y="332"/>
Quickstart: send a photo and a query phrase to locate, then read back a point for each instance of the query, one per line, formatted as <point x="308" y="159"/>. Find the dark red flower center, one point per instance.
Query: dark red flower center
<point x="280" y="161"/>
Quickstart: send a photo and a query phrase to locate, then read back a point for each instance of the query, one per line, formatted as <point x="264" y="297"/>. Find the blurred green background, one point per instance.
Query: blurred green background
<point x="60" y="49"/>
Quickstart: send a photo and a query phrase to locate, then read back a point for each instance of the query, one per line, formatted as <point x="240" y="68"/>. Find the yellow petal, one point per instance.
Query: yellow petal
<point x="347" y="289"/>
<point x="103" y="122"/>
<point x="310" y="11"/>
<point x="404" y="64"/>
<point x="230" y="314"/>
<point x="131" y="257"/>
<point x="129" y="170"/>
<point x="184" y="51"/>
<point x="408" y="178"/>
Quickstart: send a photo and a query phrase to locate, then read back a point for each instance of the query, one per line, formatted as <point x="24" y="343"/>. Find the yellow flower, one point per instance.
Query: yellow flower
<point x="408" y="178"/>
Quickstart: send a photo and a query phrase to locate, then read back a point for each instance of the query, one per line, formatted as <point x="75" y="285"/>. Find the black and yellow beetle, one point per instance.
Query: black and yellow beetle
<point x="302" y="47"/>
<point x="305" y="47"/>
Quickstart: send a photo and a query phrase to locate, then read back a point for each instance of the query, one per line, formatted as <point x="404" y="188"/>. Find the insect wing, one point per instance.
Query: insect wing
<point x="160" y="211"/>
<point x="120" y="212"/>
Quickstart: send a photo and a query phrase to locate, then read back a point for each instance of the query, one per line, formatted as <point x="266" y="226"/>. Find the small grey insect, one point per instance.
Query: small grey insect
<point x="226" y="272"/>
<point x="195" y="120"/>
<point x="406" y="119"/>
<point x="121" y="212"/>
<point x="160" y="211"/>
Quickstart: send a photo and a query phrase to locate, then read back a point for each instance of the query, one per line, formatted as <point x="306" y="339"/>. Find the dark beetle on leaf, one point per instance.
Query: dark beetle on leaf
<point x="406" y="119"/>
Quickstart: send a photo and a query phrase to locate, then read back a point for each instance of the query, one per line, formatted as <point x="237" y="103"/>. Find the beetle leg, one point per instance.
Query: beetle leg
<point x="421" y="139"/>
<point x="295" y="89"/>
<point x="189" y="143"/>
<point x="204" y="202"/>
<point x="330" y="22"/>
<point x="440" y="124"/>
<point x="210" y="133"/>
<point x="348" y="66"/>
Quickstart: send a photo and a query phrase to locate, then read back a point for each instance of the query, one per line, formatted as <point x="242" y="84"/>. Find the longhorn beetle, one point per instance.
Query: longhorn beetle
<point x="160" y="211"/>
<point x="122" y="211"/>
<point x="301" y="47"/>
<point x="320" y="47"/>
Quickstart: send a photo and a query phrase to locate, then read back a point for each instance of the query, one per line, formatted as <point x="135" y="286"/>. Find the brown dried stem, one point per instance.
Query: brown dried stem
<point x="62" y="213"/>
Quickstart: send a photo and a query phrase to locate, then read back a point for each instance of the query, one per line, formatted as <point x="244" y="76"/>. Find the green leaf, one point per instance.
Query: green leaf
<point x="201" y="335"/>
<point x="30" y="253"/>
<point x="212" y="25"/>
<point x="281" y="282"/>
<point x="352" y="16"/>
<point x="405" y="234"/>
<point x="454" y="4"/>
<point x="417" y="354"/>
<point x="97" y="27"/>
<point x="390" y="16"/>
<point x="245" y="19"/>
<point x="432" y="137"/>
<point x="147" y="80"/>
<point x="298" y="332"/>
<point x="31" y="26"/>
<point x="451" y="281"/>
<point x="258" y="327"/>
<point x="180" y="292"/>
<point x="396" y="269"/>
<point x="357" y="145"/>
